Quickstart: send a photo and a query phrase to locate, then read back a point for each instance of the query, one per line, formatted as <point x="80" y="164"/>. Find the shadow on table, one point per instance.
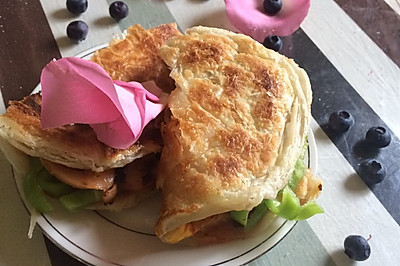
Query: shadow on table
<point x="320" y="133"/>
<point x="63" y="14"/>
<point x="64" y="42"/>
<point x="104" y="21"/>
<point x="364" y="150"/>
<point x="217" y="19"/>
<point x="352" y="183"/>
<point x="340" y="258"/>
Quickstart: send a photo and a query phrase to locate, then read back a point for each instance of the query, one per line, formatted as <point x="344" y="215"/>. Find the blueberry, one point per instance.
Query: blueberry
<point x="341" y="121"/>
<point x="77" y="30"/>
<point x="378" y="137"/>
<point x="273" y="42"/>
<point x="272" y="7"/>
<point x="118" y="10"/>
<point x="357" y="248"/>
<point x="77" y="6"/>
<point x="372" y="171"/>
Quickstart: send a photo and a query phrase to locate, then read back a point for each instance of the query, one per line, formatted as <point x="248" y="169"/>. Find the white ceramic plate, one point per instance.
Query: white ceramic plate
<point x="127" y="237"/>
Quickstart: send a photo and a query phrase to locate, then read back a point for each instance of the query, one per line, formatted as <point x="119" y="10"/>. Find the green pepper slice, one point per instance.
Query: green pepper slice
<point x="288" y="207"/>
<point x="240" y="216"/>
<point x="309" y="209"/>
<point x="33" y="193"/>
<point x="52" y="186"/>
<point x="250" y="218"/>
<point x="256" y="215"/>
<point x="81" y="199"/>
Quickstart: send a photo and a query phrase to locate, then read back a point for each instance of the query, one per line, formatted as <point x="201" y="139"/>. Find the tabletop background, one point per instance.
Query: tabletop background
<point x="351" y="51"/>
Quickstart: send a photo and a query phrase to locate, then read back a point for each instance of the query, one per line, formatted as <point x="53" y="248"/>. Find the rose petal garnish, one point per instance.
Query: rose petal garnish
<point x="75" y="90"/>
<point x="249" y="17"/>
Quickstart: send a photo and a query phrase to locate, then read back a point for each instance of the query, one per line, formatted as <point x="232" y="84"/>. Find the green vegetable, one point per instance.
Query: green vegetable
<point x="39" y="182"/>
<point x="240" y="216"/>
<point x="298" y="173"/>
<point x="289" y="207"/>
<point x="52" y="186"/>
<point x="308" y="210"/>
<point x="256" y="215"/>
<point x="81" y="199"/>
<point x="250" y="219"/>
<point x="33" y="193"/>
<point x="299" y="170"/>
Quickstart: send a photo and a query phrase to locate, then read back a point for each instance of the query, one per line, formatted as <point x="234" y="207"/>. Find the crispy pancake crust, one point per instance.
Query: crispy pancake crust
<point x="135" y="58"/>
<point x="75" y="146"/>
<point x="239" y="118"/>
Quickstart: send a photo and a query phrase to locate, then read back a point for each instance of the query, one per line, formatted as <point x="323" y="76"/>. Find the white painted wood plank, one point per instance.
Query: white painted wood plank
<point x="189" y="13"/>
<point x="350" y="208"/>
<point x="362" y="63"/>
<point x="2" y="106"/>
<point x="101" y="26"/>
<point x="394" y="4"/>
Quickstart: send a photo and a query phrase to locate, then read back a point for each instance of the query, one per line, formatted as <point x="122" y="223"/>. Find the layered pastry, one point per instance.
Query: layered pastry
<point x="236" y="126"/>
<point x="72" y="153"/>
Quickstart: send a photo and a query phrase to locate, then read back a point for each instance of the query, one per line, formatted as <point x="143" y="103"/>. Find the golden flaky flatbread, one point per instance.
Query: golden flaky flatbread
<point x="238" y="120"/>
<point x="135" y="57"/>
<point x="75" y="146"/>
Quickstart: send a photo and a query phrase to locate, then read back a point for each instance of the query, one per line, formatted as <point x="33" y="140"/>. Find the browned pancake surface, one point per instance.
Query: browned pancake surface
<point x="239" y="117"/>
<point x="75" y="145"/>
<point x="136" y="57"/>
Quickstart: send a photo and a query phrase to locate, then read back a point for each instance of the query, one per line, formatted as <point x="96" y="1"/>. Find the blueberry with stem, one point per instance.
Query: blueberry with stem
<point x="357" y="248"/>
<point x="372" y="171"/>
<point x="273" y="42"/>
<point x="341" y="121"/>
<point x="378" y="137"/>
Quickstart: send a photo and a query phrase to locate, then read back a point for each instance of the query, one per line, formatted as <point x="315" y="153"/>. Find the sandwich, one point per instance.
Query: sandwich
<point x="227" y="153"/>
<point x="234" y="139"/>
<point x="69" y="162"/>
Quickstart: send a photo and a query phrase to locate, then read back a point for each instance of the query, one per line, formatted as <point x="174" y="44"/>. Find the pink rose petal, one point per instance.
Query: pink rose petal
<point x="249" y="17"/>
<point x="68" y="85"/>
<point x="75" y="90"/>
